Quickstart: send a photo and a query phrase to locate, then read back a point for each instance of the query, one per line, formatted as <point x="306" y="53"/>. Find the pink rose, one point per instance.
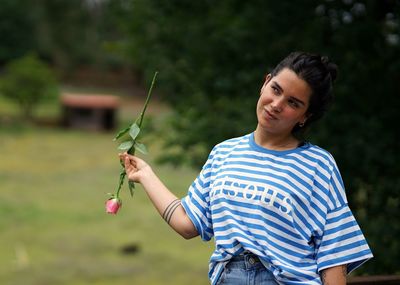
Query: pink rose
<point x="113" y="205"/>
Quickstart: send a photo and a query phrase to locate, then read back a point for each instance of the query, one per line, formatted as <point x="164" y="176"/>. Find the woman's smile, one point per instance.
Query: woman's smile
<point x="269" y="115"/>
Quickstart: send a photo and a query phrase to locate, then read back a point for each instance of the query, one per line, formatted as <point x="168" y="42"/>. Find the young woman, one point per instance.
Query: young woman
<point x="274" y="204"/>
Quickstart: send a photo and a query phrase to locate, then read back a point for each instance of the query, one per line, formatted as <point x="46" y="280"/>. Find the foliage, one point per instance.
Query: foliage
<point x="214" y="56"/>
<point x="67" y="33"/>
<point x="16" y="29"/>
<point x="364" y="145"/>
<point x="27" y="81"/>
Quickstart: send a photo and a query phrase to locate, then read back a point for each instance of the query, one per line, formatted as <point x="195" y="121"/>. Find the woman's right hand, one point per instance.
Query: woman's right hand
<point x="136" y="169"/>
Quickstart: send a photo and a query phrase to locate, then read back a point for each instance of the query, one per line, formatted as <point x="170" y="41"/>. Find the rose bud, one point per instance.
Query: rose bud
<point x="113" y="205"/>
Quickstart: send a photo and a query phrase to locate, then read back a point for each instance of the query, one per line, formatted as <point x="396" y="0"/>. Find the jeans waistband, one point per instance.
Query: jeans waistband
<point x="245" y="260"/>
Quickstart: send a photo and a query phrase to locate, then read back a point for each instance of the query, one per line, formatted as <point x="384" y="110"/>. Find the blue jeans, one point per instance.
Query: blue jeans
<point x="246" y="269"/>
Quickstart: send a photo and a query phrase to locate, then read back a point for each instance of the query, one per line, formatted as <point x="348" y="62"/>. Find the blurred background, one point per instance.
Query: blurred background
<point x="73" y="72"/>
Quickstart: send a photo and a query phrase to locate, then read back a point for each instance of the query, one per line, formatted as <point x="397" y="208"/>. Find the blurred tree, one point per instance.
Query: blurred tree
<point x="27" y="81"/>
<point x="16" y="29"/>
<point x="364" y="38"/>
<point x="111" y="17"/>
<point x="67" y="33"/>
<point x="212" y="57"/>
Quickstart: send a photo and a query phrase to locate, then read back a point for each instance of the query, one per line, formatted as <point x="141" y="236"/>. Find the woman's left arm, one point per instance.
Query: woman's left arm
<point x="334" y="275"/>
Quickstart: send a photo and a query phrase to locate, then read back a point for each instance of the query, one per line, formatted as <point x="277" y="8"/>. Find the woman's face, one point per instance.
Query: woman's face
<point x="283" y="102"/>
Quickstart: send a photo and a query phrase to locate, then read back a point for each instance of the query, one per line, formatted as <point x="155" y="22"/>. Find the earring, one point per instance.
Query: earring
<point x="301" y="124"/>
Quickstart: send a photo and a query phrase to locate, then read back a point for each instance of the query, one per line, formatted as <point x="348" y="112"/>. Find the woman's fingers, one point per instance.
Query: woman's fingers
<point x="122" y="155"/>
<point x="135" y="161"/>
<point x="125" y="156"/>
<point x="127" y="162"/>
<point x="133" y="165"/>
<point x="130" y="169"/>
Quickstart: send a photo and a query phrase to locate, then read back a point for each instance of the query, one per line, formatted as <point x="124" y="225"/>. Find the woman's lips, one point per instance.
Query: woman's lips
<point x="269" y="115"/>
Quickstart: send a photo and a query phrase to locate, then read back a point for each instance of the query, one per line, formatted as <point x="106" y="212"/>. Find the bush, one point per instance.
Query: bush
<point x="28" y="81"/>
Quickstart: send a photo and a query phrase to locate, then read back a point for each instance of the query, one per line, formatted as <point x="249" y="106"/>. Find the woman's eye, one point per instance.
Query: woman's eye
<point x="293" y="103"/>
<point x="275" y="90"/>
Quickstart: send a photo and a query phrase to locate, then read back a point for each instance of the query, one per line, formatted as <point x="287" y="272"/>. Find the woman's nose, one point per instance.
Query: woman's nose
<point x="277" y="105"/>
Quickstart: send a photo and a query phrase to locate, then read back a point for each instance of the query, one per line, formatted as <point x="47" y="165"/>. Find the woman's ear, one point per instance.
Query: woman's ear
<point x="306" y="118"/>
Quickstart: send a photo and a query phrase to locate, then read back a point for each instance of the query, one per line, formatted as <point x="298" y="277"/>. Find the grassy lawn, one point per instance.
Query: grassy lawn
<point x="54" y="229"/>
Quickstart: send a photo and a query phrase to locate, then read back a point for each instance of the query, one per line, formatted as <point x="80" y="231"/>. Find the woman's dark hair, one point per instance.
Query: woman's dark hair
<point x="320" y="74"/>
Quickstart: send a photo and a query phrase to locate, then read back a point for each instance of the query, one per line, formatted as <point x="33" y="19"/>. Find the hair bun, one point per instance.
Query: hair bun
<point x="332" y="67"/>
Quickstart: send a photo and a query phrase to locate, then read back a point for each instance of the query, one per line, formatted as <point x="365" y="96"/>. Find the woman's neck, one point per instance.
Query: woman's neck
<point x="275" y="141"/>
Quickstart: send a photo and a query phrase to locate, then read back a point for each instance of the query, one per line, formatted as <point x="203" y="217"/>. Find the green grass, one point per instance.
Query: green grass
<point x="54" y="229"/>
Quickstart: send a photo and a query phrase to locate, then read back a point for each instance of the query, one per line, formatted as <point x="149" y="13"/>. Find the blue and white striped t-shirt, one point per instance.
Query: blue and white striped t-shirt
<point x="287" y="207"/>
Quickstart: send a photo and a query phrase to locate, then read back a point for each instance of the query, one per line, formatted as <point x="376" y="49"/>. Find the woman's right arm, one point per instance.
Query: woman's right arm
<point x="166" y="203"/>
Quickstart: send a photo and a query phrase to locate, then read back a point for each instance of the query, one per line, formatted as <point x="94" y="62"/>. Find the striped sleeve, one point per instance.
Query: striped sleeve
<point x="342" y="241"/>
<point x="197" y="202"/>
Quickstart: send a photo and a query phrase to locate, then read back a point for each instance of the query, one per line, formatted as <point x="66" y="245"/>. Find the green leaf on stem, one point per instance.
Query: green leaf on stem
<point x="126" y="145"/>
<point x="131" y="185"/>
<point x="141" y="147"/>
<point x="134" y="131"/>
<point x="121" y="133"/>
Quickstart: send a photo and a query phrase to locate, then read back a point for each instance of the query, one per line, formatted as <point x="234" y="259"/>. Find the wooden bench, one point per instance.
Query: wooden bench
<point x="89" y="112"/>
<point x="374" y="280"/>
